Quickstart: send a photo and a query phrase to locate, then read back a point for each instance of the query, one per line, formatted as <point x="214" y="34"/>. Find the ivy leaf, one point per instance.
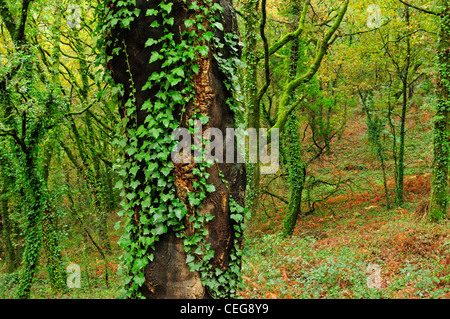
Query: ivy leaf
<point x="119" y="185"/>
<point x="169" y="21"/>
<point x="179" y="71"/>
<point x="161" y="182"/>
<point x="158" y="218"/>
<point x="195" y="68"/>
<point x="217" y="7"/>
<point x="208" y="255"/>
<point x="198" y="250"/>
<point x="176" y="97"/>
<point x="194" y="6"/>
<point x="159" y="229"/>
<point x="146" y="202"/>
<point x="188" y="22"/>
<point x="150" y="42"/>
<point x="207" y="36"/>
<point x="218" y="25"/>
<point x="210" y="188"/>
<point x="166" y="197"/>
<point x="155" y="24"/>
<point x="134" y="170"/>
<point x="139" y="279"/>
<point x="166" y="6"/>
<point x="152" y="166"/>
<point x="155" y="57"/>
<point x="155" y="133"/>
<point x="166" y="171"/>
<point x="173" y="80"/>
<point x="203" y="50"/>
<point x="151" y="12"/>
<point x="134" y="184"/>
<point x="237" y="217"/>
<point x="189" y="259"/>
<point x="204" y="119"/>
<point x="131" y="150"/>
<point x="131" y="196"/>
<point x="179" y="213"/>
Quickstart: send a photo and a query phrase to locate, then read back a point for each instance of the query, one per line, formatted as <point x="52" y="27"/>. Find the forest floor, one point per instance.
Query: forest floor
<point x="370" y="253"/>
<point x="352" y="246"/>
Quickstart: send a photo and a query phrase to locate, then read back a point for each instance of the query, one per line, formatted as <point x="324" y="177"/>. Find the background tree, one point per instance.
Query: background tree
<point x="439" y="201"/>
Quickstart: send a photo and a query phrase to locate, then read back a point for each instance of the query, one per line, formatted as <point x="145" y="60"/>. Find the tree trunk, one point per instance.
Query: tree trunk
<point x="5" y="232"/>
<point x="292" y="151"/>
<point x="55" y="269"/>
<point x="35" y="203"/>
<point x="399" y="187"/>
<point x="374" y="129"/>
<point x="439" y="190"/>
<point x="252" y="105"/>
<point x="168" y="274"/>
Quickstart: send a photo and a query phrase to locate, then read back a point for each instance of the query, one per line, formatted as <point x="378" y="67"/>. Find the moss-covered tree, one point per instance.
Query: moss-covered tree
<point x="439" y="203"/>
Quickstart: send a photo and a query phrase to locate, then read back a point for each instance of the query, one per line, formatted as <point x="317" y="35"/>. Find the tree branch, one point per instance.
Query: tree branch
<point x="8" y="18"/>
<point x="420" y="9"/>
<point x="20" y="33"/>
<point x="276" y="196"/>
<point x="283" y="109"/>
<point x="266" y="53"/>
<point x="292" y="35"/>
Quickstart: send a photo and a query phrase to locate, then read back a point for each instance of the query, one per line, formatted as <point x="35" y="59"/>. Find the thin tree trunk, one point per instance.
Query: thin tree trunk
<point x="56" y="271"/>
<point x="439" y="201"/>
<point x="5" y="231"/>
<point x="292" y="151"/>
<point x="399" y="196"/>
<point x="252" y="105"/>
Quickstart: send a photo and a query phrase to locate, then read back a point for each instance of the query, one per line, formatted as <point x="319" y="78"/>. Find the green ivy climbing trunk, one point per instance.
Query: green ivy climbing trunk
<point x="439" y="202"/>
<point x="296" y="169"/>
<point x="25" y="130"/>
<point x="252" y="105"/>
<point x="183" y="221"/>
<point x="5" y="233"/>
<point x="292" y="150"/>
<point x="374" y="131"/>
<point x="35" y="201"/>
<point x="56" y="273"/>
